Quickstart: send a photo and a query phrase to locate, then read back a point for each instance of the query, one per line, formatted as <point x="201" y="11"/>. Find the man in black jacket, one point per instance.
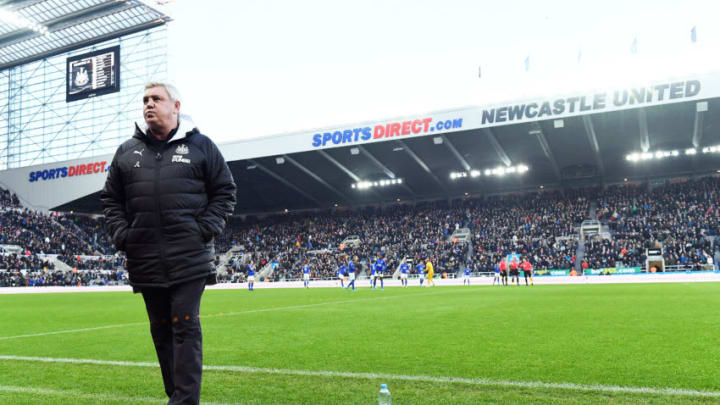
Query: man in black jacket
<point x="168" y="194"/>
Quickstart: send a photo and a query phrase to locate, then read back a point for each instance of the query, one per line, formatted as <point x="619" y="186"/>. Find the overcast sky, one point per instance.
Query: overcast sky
<point x="256" y="68"/>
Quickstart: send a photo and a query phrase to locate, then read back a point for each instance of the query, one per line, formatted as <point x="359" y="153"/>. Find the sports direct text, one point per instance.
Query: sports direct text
<point x="388" y="130"/>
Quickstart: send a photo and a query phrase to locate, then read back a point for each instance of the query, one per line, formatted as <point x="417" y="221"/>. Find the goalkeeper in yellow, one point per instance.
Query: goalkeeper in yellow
<point x="430" y="270"/>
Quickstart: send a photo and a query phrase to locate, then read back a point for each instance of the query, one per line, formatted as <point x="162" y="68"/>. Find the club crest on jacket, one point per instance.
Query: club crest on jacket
<point x="182" y="149"/>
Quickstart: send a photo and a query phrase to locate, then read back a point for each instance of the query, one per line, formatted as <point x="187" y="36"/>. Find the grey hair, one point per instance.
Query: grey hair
<point x="172" y="91"/>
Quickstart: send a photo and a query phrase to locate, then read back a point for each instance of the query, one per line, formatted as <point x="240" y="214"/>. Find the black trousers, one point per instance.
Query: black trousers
<point x="174" y="315"/>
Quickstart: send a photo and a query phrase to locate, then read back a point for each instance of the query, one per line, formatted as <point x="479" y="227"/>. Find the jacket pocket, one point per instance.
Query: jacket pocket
<point x="204" y="233"/>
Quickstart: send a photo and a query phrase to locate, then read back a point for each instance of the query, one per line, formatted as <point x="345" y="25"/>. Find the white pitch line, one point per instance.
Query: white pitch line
<point x="250" y="311"/>
<point x="59" y="332"/>
<point x="86" y="395"/>
<point x="402" y="377"/>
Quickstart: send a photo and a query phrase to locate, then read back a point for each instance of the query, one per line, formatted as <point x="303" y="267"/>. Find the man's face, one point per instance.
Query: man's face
<point x="158" y="110"/>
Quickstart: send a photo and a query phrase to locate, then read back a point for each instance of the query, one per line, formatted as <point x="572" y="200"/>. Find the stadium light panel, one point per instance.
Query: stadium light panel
<point x="438" y="140"/>
<point x="474" y="173"/>
<point x="354" y="151"/>
<point x="280" y="160"/>
<point x="690" y="151"/>
<point x="363" y="185"/>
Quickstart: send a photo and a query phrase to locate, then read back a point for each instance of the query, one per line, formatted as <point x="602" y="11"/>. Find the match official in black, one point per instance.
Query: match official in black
<point x="168" y="193"/>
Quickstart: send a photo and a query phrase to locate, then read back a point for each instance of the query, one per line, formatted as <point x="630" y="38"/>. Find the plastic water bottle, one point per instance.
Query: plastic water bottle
<point x="384" y="395"/>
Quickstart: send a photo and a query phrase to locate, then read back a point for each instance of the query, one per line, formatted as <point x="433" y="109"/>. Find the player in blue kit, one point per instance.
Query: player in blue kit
<point x="251" y="277"/>
<point x="404" y="268"/>
<point x="497" y="274"/>
<point x="466" y="278"/>
<point x="380" y="267"/>
<point x="373" y="272"/>
<point x="421" y="272"/>
<point x="306" y="274"/>
<point x="342" y="269"/>
<point x="351" y="274"/>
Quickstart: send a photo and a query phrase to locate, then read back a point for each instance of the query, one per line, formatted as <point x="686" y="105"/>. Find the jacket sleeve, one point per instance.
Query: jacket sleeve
<point x="112" y="197"/>
<point x="221" y="190"/>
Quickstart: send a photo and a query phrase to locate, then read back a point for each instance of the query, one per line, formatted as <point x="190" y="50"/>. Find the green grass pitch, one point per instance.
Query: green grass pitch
<point x="333" y="346"/>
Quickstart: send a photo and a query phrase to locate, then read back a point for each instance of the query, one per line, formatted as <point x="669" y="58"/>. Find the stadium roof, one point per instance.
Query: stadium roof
<point x="586" y="150"/>
<point x="34" y="29"/>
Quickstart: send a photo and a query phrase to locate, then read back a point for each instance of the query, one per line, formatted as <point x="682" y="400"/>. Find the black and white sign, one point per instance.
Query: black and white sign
<point x="93" y="74"/>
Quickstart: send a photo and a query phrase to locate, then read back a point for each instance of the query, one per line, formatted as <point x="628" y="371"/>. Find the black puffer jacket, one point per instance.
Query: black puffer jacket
<point x="165" y="202"/>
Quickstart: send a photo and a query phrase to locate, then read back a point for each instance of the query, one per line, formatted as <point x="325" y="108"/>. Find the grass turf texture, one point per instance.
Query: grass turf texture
<point x="639" y="335"/>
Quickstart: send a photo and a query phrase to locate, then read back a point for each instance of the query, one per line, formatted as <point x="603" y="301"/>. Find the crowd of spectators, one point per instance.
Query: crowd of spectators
<point x="14" y="261"/>
<point x="41" y="233"/>
<point x="57" y="278"/>
<point x="681" y="216"/>
<point x="8" y="199"/>
<point x="540" y="226"/>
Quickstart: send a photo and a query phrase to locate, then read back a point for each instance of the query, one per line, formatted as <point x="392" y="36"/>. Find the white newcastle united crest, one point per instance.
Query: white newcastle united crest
<point x="182" y="149"/>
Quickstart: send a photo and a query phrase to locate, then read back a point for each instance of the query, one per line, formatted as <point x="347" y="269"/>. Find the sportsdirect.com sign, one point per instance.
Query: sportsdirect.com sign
<point x="69" y="171"/>
<point x="417" y="126"/>
<point x="532" y="110"/>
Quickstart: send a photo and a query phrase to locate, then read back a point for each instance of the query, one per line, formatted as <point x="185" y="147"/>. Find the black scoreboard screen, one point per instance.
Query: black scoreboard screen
<point x="93" y="74"/>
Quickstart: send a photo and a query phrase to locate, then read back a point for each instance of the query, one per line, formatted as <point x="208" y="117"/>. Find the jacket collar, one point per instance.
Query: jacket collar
<point x="186" y="128"/>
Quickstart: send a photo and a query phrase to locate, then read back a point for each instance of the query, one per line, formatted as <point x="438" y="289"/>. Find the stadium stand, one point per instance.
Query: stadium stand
<point x="682" y="216"/>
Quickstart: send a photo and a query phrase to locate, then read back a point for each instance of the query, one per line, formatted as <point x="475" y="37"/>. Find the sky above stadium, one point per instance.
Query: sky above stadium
<point x="249" y="68"/>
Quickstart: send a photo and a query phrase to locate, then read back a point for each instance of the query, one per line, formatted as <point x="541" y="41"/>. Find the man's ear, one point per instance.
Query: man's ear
<point x="177" y="107"/>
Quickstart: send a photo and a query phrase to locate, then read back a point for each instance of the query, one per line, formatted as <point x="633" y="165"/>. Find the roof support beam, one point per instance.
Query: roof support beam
<point x="457" y="154"/>
<point x="537" y="131"/>
<point x="592" y="137"/>
<point x="422" y="164"/>
<point x="504" y="158"/>
<point x="342" y="167"/>
<point x="285" y="182"/>
<point x="339" y="165"/>
<point x="379" y="164"/>
<point x="382" y="167"/>
<point x="316" y="177"/>
<point x="644" y="137"/>
<point x="698" y="127"/>
<point x="65" y="20"/>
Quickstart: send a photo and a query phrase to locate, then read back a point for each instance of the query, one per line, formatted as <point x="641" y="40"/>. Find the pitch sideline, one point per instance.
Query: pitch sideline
<point x="401" y="377"/>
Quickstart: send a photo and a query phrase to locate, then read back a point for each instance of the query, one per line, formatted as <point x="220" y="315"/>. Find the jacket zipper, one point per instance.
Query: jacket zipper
<point x="163" y="262"/>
